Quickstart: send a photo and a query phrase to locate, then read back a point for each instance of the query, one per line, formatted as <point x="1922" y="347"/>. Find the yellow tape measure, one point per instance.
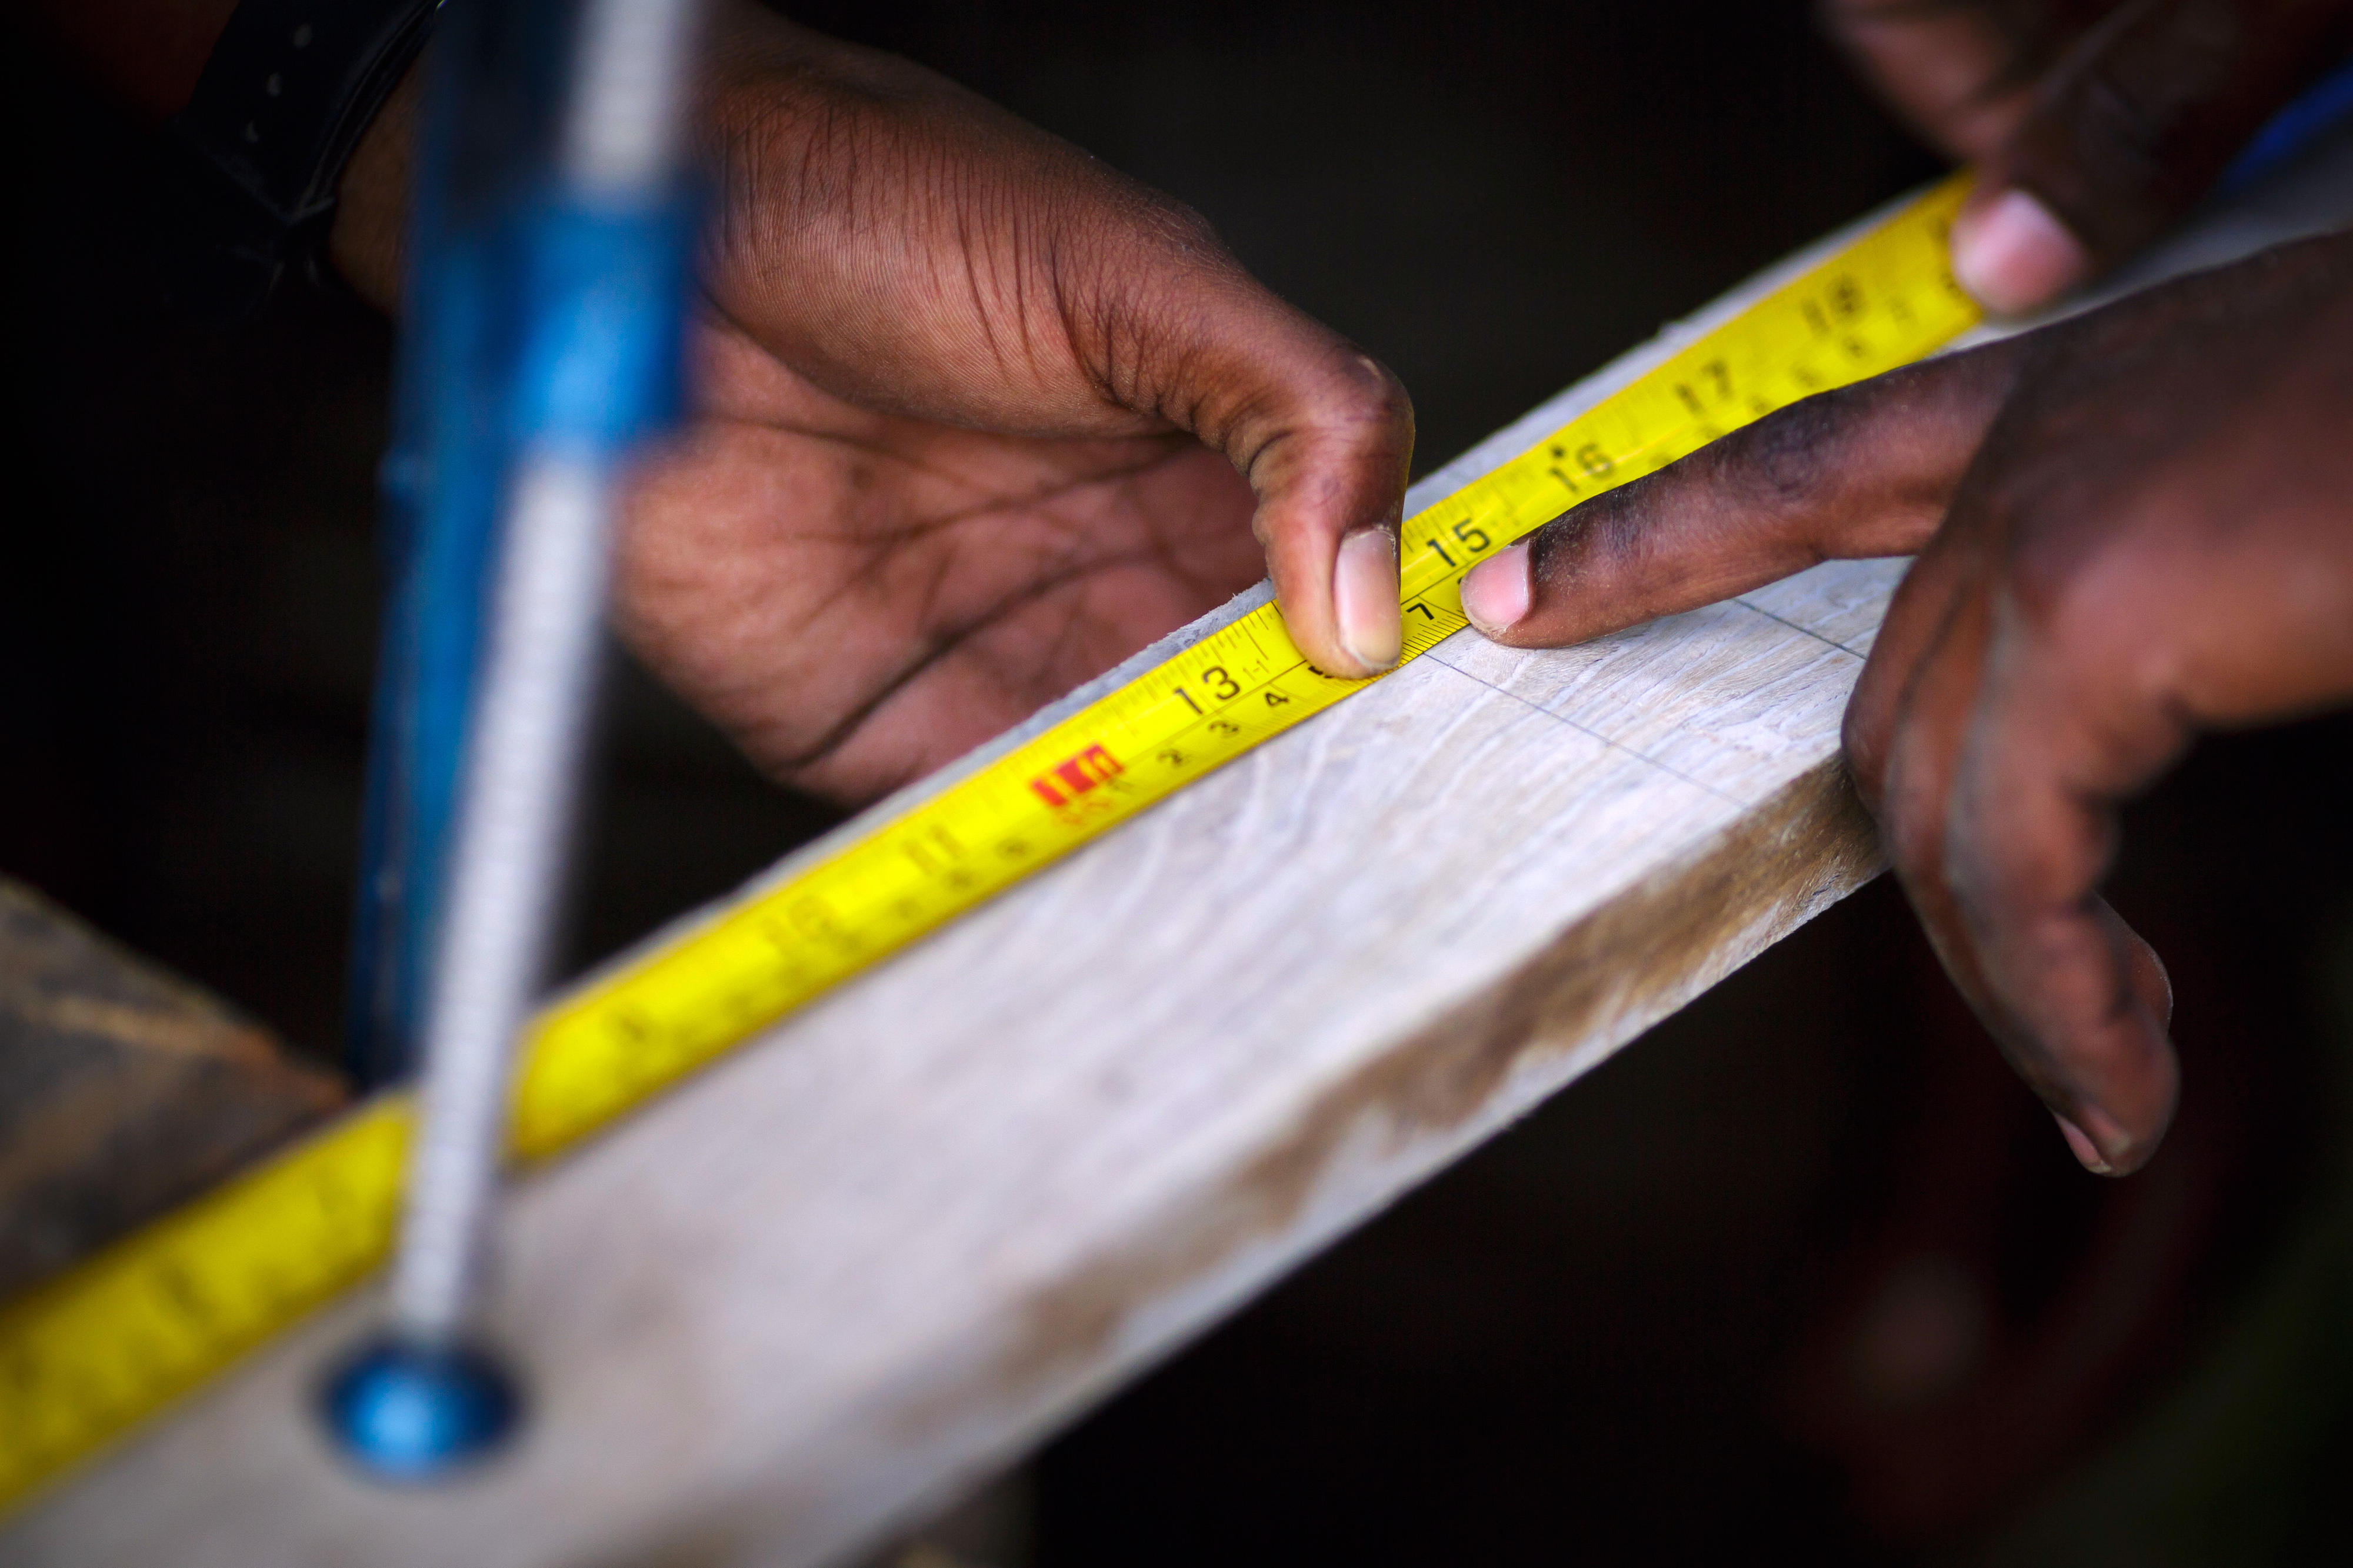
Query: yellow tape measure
<point x="87" y="1356"/>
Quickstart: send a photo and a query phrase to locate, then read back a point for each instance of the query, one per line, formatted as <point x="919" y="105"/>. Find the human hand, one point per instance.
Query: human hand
<point x="2133" y="527"/>
<point x="2095" y="123"/>
<point x="976" y="417"/>
<point x="858" y="596"/>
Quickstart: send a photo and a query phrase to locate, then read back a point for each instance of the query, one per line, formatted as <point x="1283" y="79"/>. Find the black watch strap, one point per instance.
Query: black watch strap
<point x="284" y="98"/>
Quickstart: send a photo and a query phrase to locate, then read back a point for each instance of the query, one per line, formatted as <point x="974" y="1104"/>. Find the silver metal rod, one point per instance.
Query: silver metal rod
<point x="521" y="783"/>
<point x="626" y="130"/>
<point x="623" y="135"/>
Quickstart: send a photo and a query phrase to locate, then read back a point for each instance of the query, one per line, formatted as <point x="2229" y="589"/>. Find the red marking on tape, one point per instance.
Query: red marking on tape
<point x="1073" y="776"/>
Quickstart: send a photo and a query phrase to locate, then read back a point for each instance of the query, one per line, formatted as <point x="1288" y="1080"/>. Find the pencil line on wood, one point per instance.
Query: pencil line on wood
<point x="1794" y="627"/>
<point x="1588" y="730"/>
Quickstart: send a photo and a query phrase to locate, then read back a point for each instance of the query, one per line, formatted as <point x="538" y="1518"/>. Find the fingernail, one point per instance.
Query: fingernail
<point x="2012" y="253"/>
<point x="1495" y="594"/>
<point x="2098" y="1155"/>
<point x="1365" y="598"/>
<point x="2087" y="1153"/>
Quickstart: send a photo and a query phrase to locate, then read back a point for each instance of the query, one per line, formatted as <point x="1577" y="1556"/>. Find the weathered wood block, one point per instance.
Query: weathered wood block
<point x="123" y="1089"/>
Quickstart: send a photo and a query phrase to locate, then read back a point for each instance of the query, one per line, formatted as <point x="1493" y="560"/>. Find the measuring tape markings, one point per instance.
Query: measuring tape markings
<point x="88" y="1355"/>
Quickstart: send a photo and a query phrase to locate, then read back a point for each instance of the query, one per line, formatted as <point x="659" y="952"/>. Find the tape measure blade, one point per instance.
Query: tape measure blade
<point x="88" y="1355"/>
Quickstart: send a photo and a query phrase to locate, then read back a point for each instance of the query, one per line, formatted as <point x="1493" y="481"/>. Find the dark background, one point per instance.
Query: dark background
<point x="1803" y="1269"/>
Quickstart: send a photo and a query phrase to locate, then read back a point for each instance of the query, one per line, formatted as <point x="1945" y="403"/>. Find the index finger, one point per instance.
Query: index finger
<point x="1863" y="471"/>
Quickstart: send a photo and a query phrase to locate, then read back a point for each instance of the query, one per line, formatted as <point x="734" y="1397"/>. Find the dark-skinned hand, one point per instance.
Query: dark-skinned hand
<point x="2132" y="527"/>
<point x="976" y="417"/>
<point x="2095" y="123"/>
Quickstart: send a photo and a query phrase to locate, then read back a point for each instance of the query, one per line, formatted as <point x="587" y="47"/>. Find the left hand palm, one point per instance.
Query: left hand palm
<point x="858" y="597"/>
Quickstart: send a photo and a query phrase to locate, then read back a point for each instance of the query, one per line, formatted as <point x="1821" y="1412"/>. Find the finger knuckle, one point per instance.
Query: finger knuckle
<point x="1609" y="537"/>
<point x="1785" y="461"/>
<point x="1343" y="401"/>
<point x="1366" y="394"/>
<point x="1782" y="460"/>
<point x="1175" y="225"/>
<point x="1142" y="283"/>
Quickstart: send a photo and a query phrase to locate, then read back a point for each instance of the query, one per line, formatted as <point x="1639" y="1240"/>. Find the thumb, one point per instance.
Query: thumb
<point x="2130" y="129"/>
<point x="1323" y="431"/>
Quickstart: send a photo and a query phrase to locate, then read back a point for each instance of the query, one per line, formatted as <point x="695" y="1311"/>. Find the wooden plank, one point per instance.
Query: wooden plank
<point x="856" y="1266"/>
<point x="123" y="1090"/>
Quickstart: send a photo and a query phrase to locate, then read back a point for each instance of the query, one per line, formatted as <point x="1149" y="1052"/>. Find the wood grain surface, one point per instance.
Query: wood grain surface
<point x="854" y="1268"/>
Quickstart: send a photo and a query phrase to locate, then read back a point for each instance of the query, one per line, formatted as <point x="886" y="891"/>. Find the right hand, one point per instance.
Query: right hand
<point x="2095" y="123"/>
<point x="2133" y="529"/>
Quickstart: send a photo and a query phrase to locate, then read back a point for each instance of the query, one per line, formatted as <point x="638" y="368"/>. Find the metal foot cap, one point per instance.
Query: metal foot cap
<point x="407" y="1412"/>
